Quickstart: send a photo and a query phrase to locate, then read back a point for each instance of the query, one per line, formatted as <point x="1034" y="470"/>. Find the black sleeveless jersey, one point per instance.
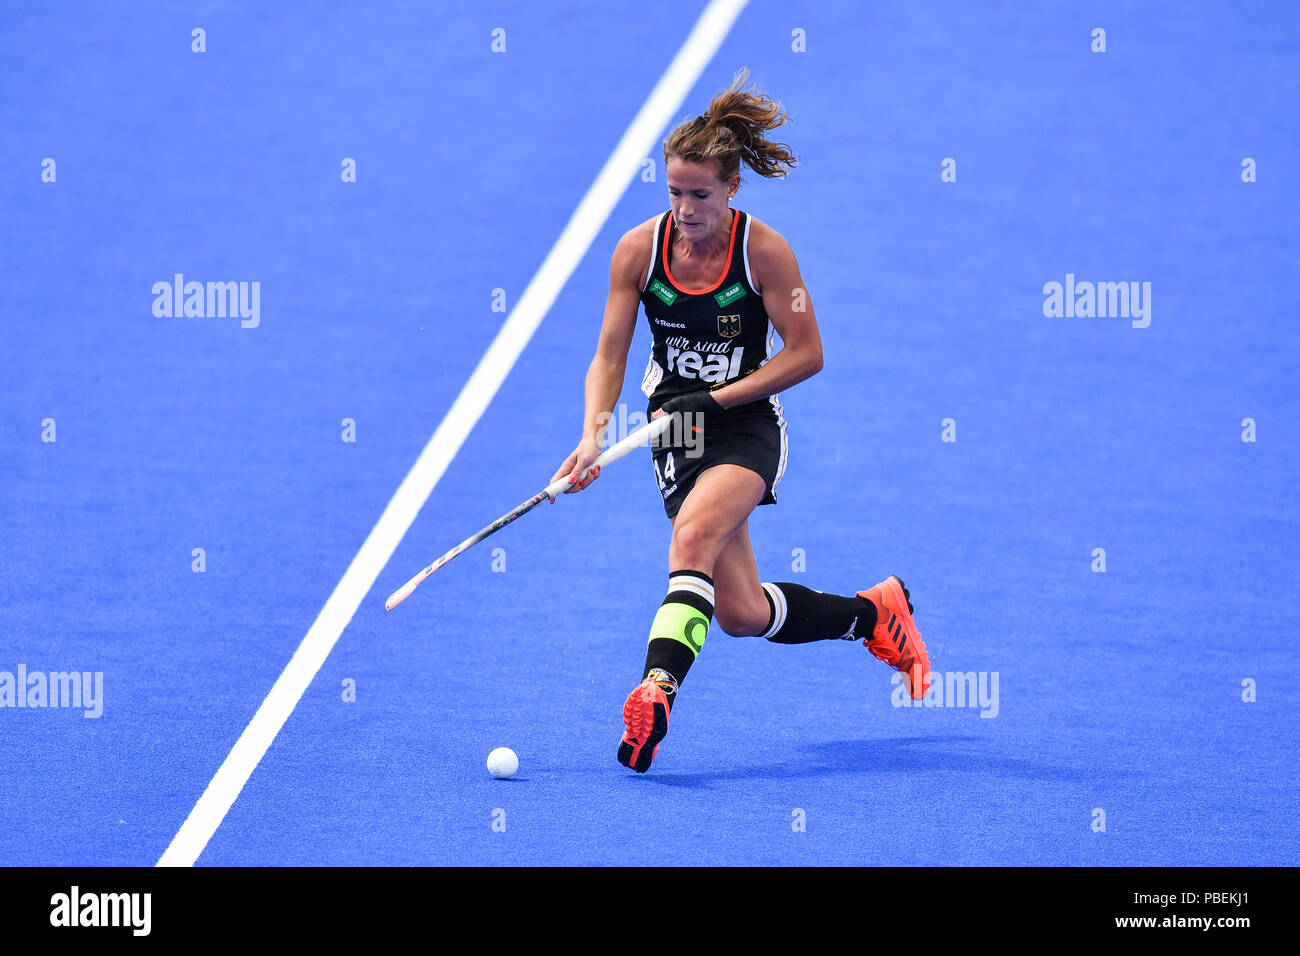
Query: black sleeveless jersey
<point x="703" y="337"/>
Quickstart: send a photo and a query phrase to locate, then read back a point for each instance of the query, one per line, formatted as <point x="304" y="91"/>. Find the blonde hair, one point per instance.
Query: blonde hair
<point x="731" y="130"/>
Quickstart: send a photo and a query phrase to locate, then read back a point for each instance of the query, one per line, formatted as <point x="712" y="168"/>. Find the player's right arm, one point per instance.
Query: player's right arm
<point x="627" y="273"/>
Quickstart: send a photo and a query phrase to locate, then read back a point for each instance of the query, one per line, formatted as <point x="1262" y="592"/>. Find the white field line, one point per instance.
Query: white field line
<point x="584" y="225"/>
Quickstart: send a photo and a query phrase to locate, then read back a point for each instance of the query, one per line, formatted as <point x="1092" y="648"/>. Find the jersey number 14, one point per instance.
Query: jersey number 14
<point x="669" y="473"/>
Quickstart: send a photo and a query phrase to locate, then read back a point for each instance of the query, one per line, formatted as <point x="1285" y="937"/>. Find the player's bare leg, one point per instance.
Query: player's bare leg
<point x="741" y="607"/>
<point x="718" y="505"/>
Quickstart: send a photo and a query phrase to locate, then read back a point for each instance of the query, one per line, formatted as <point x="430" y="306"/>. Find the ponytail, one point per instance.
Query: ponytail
<point x="732" y="130"/>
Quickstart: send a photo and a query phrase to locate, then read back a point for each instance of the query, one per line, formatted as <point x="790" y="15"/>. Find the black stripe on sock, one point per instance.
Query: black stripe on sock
<point x="690" y="599"/>
<point x="695" y="574"/>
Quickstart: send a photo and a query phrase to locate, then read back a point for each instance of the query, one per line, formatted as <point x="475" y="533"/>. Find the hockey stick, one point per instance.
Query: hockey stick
<point x="638" y="438"/>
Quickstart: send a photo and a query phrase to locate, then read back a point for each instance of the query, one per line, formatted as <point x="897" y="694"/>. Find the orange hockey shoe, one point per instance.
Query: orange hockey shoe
<point x="645" y="716"/>
<point x="896" y="639"/>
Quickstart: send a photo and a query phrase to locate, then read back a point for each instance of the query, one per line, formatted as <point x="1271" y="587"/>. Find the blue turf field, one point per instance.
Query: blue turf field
<point x="1120" y="691"/>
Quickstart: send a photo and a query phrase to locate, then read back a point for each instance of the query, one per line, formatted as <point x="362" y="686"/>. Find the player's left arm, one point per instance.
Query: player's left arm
<point x="775" y="273"/>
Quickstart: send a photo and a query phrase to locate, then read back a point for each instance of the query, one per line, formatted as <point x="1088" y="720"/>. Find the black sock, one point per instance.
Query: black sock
<point x="800" y="615"/>
<point x="676" y="635"/>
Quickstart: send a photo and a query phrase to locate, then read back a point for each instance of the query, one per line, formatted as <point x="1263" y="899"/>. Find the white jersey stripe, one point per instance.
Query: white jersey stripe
<point x="654" y="251"/>
<point x="785" y="442"/>
<point x="780" y="413"/>
<point x="744" y="245"/>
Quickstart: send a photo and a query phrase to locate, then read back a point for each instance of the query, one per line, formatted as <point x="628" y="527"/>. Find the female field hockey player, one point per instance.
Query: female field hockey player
<point x="715" y="284"/>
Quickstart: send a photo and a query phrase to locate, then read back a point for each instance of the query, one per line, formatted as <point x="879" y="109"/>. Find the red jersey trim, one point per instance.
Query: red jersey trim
<point x="726" y="270"/>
